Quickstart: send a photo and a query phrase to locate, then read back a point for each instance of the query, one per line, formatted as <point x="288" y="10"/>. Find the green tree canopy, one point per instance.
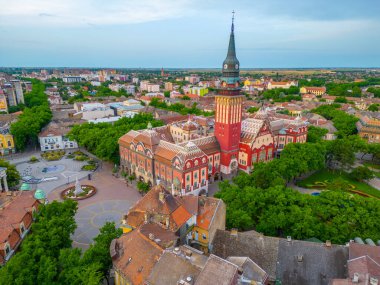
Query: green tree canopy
<point x="315" y="134"/>
<point x="280" y="211"/>
<point x="102" y="139"/>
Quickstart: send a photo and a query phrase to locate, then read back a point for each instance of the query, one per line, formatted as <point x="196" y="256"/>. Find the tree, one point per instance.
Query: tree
<point x="99" y="250"/>
<point x="345" y="123"/>
<point x="280" y="211"/>
<point x="373" y="107"/>
<point x="35" y="116"/>
<point x="46" y="255"/>
<point x="102" y="139"/>
<point x="361" y="173"/>
<point x="340" y="153"/>
<point x="252" y="109"/>
<point x="13" y="176"/>
<point x="315" y="134"/>
<point x="167" y="94"/>
<point x="143" y="187"/>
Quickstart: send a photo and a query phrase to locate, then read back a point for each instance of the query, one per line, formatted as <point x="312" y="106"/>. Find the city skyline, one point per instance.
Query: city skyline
<point x="152" y="34"/>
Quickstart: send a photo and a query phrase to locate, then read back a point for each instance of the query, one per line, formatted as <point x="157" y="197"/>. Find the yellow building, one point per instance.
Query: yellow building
<point x="313" y="90"/>
<point x="7" y="145"/>
<point x="3" y="104"/>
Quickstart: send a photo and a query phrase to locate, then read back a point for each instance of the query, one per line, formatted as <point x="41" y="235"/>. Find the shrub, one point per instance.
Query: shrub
<point x="33" y="159"/>
<point x="80" y="157"/>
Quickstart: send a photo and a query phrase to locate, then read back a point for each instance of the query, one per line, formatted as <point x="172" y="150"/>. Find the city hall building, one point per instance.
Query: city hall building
<point x="186" y="156"/>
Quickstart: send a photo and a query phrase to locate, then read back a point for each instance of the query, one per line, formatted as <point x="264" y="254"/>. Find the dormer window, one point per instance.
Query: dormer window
<point x="7" y="249"/>
<point x="22" y="229"/>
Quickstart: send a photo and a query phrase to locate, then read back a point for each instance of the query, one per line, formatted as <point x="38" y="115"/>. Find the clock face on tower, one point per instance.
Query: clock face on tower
<point x="236" y="66"/>
<point x="225" y="66"/>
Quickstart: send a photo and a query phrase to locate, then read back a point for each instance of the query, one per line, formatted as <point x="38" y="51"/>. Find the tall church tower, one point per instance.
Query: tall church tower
<point x="228" y="104"/>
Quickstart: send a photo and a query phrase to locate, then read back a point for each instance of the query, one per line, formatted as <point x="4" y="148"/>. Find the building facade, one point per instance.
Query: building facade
<point x="53" y="137"/>
<point x="369" y="126"/>
<point x="187" y="155"/>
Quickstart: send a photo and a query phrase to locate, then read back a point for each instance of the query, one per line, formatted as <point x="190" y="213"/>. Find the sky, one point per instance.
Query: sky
<point x="189" y="33"/>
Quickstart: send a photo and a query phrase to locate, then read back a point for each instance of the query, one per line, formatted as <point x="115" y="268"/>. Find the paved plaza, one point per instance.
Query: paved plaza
<point x="112" y="200"/>
<point x="58" y="173"/>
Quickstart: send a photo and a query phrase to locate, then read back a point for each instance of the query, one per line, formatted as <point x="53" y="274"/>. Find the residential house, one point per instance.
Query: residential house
<point x="363" y="266"/>
<point x="286" y="261"/>
<point x="16" y="210"/>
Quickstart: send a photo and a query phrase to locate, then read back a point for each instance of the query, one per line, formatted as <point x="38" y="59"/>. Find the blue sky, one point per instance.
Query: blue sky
<point x="189" y="33"/>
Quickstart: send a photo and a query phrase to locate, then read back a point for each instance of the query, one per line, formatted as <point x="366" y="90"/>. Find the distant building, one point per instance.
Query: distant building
<point x="313" y="90"/>
<point x="18" y="91"/>
<point x="193" y="78"/>
<point x="281" y="84"/>
<point x="3" y="102"/>
<point x="122" y="108"/>
<point x="200" y="91"/>
<point x="168" y="86"/>
<point x="150" y="87"/>
<point x="10" y="94"/>
<point x="92" y="111"/>
<point x="369" y="126"/>
<point x="72" y="79"/>
<point x="53" y="137"/>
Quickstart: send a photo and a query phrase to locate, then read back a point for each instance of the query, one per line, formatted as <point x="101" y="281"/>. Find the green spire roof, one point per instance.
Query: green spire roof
<point x="40" y="194"/>
<point x="231" y="65"/>
<point x="25" y="187"/>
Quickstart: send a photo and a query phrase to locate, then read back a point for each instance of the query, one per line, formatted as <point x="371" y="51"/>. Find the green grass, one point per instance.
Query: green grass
<point x="372" y="165"/>
<point x="329" y="175"/>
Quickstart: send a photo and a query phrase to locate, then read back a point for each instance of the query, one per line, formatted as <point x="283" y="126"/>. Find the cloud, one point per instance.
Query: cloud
<point x="46" y="15"/>
<point x="97" y="12"/>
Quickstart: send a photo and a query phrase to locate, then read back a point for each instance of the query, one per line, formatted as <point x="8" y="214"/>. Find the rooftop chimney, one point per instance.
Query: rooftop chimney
<point x="328" y="243"/>
<point x="355" y="279"/>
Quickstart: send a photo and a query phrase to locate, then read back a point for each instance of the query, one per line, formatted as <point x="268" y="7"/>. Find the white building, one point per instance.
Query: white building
<point x="281" y="84"/>
<point x="150" y="87"/>
<point x="72" y="79"/>
<point x="95" y="83"/>
<point x="53" y="137"/>
<point x="93" y="111"/>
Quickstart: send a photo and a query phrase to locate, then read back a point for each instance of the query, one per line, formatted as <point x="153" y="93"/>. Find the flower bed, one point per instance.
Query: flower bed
<point x="338" y="180"/>
<point x="53" y="155"/>
<point x="88" y="191"/>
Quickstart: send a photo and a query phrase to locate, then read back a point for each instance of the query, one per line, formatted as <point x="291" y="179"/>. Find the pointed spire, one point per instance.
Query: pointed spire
<point x="231" y="46"/>
<point x="233" y="18"/>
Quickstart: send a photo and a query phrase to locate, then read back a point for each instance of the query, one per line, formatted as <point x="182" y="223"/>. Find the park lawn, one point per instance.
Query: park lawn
<point x="329" y="175"/>
<point x="372" y="165"/>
